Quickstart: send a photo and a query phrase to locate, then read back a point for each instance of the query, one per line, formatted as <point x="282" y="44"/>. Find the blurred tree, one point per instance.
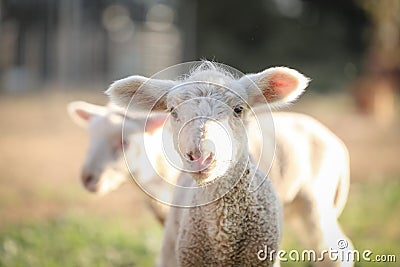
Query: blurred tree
<point x="375" y="90"/>
<point x="323" y="39"/>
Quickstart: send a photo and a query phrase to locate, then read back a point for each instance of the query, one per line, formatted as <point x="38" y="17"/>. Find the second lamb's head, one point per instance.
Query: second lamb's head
<point x="208" y="111"/>
<point x="104" y="168"/>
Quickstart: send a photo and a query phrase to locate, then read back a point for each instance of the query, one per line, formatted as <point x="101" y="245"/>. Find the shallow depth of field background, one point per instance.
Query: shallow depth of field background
<point x="54" y="52"/>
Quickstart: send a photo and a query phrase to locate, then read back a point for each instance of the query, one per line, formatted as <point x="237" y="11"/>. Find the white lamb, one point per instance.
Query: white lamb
<point x="304" y="175"/>
<point x="236" y="222"/>
<point x="104" y="168"/>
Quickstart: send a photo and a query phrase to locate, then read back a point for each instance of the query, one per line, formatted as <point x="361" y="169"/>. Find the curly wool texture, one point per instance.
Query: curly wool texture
<point x="229" y="231"/>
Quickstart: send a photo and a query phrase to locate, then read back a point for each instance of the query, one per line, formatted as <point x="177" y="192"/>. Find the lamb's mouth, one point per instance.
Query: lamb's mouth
<point x="209" y="169"/>
<point x="203" y="175"/>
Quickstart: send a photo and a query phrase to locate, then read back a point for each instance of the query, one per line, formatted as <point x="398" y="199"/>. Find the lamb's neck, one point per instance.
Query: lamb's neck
<point x="233" y="200"/>
<point x="240" y="173"/>
<point x="235" y="182"/>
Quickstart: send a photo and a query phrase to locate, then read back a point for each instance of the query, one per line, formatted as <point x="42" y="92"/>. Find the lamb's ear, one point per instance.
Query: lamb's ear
<point x="278" y="85"/>
<point x="81" y="112"/>
<point x="147" y="93"/>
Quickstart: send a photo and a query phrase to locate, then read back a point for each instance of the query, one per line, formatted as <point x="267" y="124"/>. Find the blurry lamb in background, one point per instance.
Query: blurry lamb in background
<point x="104" y="168"/>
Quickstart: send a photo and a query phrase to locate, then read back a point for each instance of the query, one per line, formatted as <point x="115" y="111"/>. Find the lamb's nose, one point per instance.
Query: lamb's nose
<point x="199" y="161"/>
<point x="87" y="180"/>
<point x="193" y="155"/>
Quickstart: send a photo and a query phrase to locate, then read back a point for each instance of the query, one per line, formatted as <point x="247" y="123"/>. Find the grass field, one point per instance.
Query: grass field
<point x="48" y="219"/>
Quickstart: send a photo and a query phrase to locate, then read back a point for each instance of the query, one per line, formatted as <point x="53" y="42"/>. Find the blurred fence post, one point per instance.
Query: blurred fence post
<point x="375" y="91"/>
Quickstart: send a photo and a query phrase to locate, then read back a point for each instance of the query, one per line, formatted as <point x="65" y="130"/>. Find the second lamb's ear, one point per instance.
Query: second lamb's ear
<point x="148" y="93"/>
<point x="278" y="86"/>
<point x="81" y="112"/>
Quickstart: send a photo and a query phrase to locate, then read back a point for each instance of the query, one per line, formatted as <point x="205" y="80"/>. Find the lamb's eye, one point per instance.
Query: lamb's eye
<point x="173" y="112"/>
<point x="238" y="110"/>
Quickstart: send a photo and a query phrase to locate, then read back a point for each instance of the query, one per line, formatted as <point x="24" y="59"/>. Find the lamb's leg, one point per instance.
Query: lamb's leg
<point x="167" y="256"/>
<point x="332" y="236"/>
<point x="320" y="229"/>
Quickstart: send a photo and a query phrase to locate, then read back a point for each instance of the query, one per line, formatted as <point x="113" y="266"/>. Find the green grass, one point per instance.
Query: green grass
<point x="371" y="219"/>
<point x="79" y="242"/>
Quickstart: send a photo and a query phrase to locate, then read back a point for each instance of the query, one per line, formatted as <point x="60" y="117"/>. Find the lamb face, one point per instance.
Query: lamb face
<point x="104" y="168"/>
<point x="208" y="110"/>
<point x="207" y="123"/>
